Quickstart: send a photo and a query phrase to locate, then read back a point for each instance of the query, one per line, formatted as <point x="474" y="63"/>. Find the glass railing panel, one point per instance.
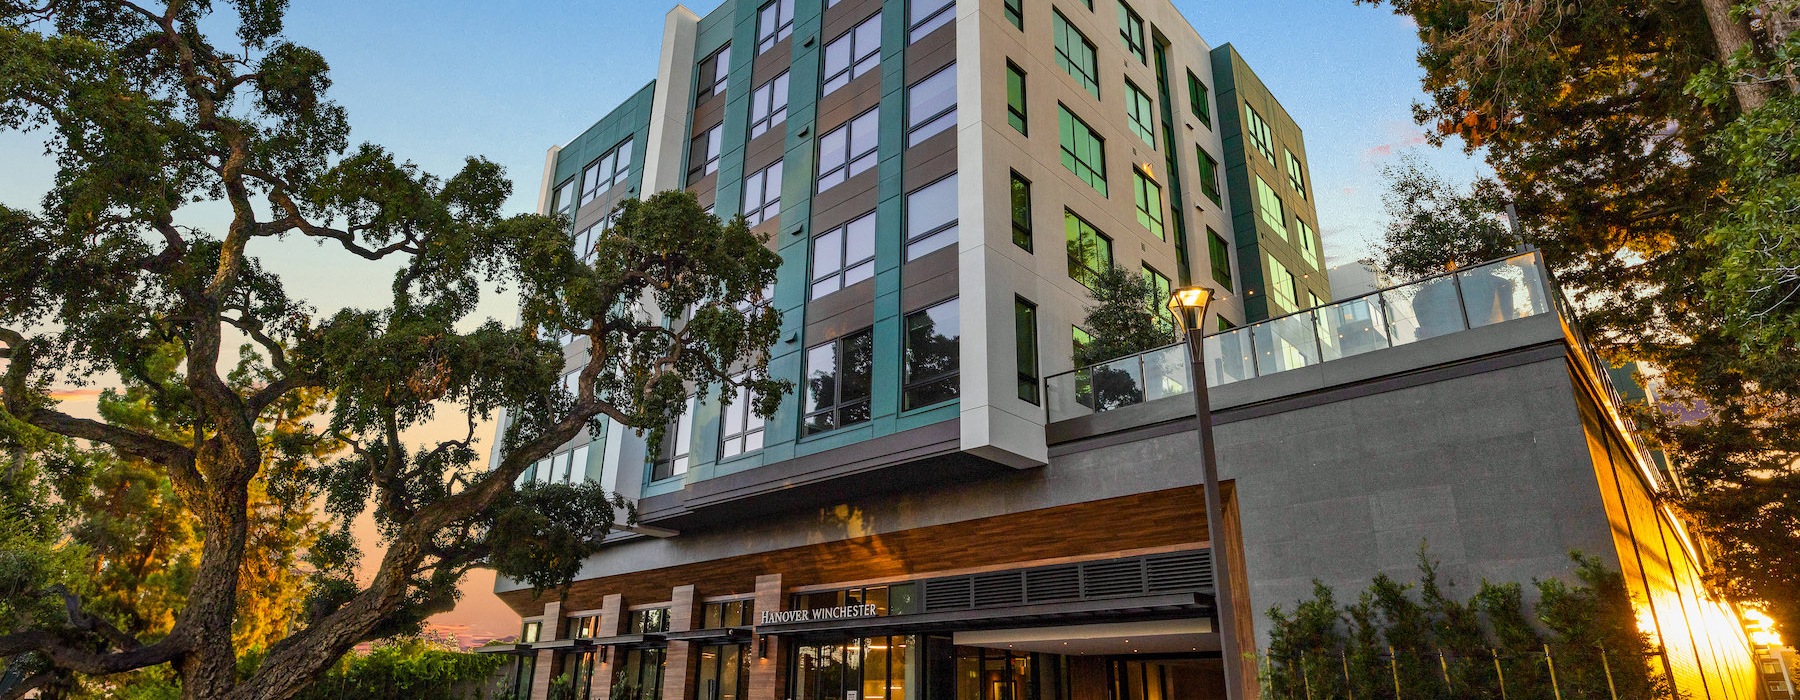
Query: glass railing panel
<point x="1504" y="290"/>
<point x="1423" y="310"/>
<point x="1063" y="397"/>
<point x="1117" y="384"/>
<point x="1229" y="357"/>
<point x="1285" y="343"/>
<point x="1352" y="328"/>
<point x="1165" y="372"/>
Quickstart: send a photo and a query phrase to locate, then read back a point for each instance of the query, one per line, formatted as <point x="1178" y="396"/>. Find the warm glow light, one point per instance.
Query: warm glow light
<point x="1189" y="305"/>
<point x="1761" y="628"/>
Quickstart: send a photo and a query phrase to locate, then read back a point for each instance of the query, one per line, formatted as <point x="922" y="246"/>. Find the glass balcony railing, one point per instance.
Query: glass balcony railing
<point x="1474" y="297"/>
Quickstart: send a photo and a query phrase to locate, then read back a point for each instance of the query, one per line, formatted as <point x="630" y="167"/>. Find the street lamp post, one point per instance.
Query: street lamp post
<point x="1189" y="305"/>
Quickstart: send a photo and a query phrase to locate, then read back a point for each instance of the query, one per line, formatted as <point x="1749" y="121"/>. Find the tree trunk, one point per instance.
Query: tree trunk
<point x="1729" y="36"/>
<point x="209" y="668"/>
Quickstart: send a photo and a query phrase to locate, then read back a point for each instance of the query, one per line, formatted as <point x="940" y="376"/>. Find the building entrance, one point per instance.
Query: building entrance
<point x="872" y="668"/>
<point x="724" y="671"/>
<point x="995" y="674"/>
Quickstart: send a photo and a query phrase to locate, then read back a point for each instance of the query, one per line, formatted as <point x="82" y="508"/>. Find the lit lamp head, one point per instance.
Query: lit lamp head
<point x="1189" y="305"/>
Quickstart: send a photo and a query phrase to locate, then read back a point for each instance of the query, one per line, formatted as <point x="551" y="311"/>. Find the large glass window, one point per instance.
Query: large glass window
<point x="1309" y="245"/>
<point x="1021" y="211"/>
<point x="1220" y="252"/>
<point x="1131" y="31"/>
<point x="703" y="153"/>
<point x="854" y="53"/>
<point x="640" y="674"/>
<point x="1090" y="251"/>
<point x="740" y="429"/>
<point x="837" y="382"/>
<point x="931" y="217"/>
<point x="923" y="16"/>
<point x="724" y="672"/>
<point x="1083" y="151"/>
<point x="607" y="171"/>
<point x="769" y="105"/>
<point x="1003" y="674"/>
<point x="562" y="199"/>
<point x="843" y="256"/>
<point x="1148" y="196"/>
<point x="1283" y="290"/>
<point x="1160" y="289"/>
<point x="1015" y="97"/>
<point x="875" y="668"/>
<point x="672" y="454"/>
<point x="931" y="106"/>
<point x="1296" y="174"/>
<point x="1015" y="12"/>
<point x="932" y="356"/>
<point x="1025" y="338"/>
<point x="762" y="194"/>
<point x="848" y="150"/>
<point x="1259" y="133"/>
<point x="1198" y="100"/>
<point x="774" y="22"/>
<point x="713" y="72"/>
<point x="1269" y="207"/>
<point x="1209" y="175"/>
<point x="1076" y="55"/>
<point x="1140" y="112"/>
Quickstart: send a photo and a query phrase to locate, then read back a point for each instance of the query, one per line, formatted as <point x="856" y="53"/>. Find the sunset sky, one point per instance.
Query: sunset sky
<point x="440" y="80"/>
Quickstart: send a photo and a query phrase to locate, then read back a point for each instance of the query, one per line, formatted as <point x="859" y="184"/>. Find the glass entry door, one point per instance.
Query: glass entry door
<point x="996" y="674"/>
<point x="724" y="671"/>
<point x="875" y="668"/>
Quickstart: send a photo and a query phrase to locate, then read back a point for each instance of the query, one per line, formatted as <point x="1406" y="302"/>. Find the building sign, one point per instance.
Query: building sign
<point x="843" y="612"/>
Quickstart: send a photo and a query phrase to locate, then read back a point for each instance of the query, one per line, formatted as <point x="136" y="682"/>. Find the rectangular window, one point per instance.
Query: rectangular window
<point x="1021" y="211"/>
<point x="562" y="199"/>
<point x="837" y="382"/>
<point x="672" y="454"/>
<point x="1015" y="12"/>
<point x="703" y="153"/>
<point x="585" y="239"/>
<point x="1148" y="196"/>
<point x="923" y="16"/>
<point x="931" y="217"/>
<point x="1015" y="97"/>
<point x="1161" y="290"/>
<point x="1259" y="133"/>
<point x="851" y="55"/>
<point x="1083" y="151"/>
<point x="1209" y="175"/>
<point x="1199" y="100"/>
<point x="843" y="256"/>
<point x="1269" y="207"/>
<point x="774" y="22"/>
<point x="1076" y="55"/>
<point x="1025" y="339"/>
<point x="1282" y="289"/>
<point x="1131" y="30"/>
<point x="740" y="429"/>
<point x="609" y="170"/>
<point x="769" y="105"/>
<point x="848" y="150"/>
<point x="762" y="194"/>
<point x="1296" y="174"/>
<point x="1140" y="112"/>
<point x="1309" y="245"/>
<point x="1079" y="339"/>
<point x="1090" y="251"/>
<point x="931" y="106"/>
<point x="713" y="72"/>
<point x="932" y="356"/>
<point x="1220" y="251"/>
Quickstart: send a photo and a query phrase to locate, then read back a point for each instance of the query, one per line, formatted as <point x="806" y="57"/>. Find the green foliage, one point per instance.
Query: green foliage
<point x="1434" y="225"/>
<point x="410" y="668"/>
<point x="1127" y="317"/>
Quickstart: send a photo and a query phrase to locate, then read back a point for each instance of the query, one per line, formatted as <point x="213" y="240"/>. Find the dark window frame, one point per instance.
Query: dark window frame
<point x="839" y="403"/>
<point x="1026" y="355"/>
<point x="910" y="384"/>
<point x="953" y="224"/>
<point x="920" y="128"/>
<point x="766" y="36"/>
<point x="1022" y="233"/>
<point x="867" y="159"/>
<point x="764" y="99"/>
<point x="860" y="60"/>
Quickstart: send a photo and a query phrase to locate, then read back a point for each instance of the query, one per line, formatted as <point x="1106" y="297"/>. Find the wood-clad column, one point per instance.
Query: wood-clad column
<point x="546" y="659"/>
<point x="678" y="664"/>
<point x="767" y="662"/>
<point x="612" y="614"/>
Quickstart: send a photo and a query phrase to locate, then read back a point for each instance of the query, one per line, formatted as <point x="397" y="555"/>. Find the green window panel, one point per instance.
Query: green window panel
<point x="1131" y="31"/>
<point x="1269" y="207"/>
<point x="1025" y="332"/>
<point x="1283" y="288"/>
<point x="1198" y="100"/>
<point x="1090" y="251"/>
<point x="1148" y="197"/>
<point x="1076" y="55"/>
<point x="1220" y="252"/>
<point x="1161" y="290"/>
<point x="1296" y="174"/>
<point x="1015" y="97"/>
<point x="1209" y="175"/>
<point x="1015" y="12"/>
<point x="1259" y="133"/>
<point x="1309" y="245"/>
<point x="1140" y="112"/>
<point x="1083" y="151"/>
<point x="1021" y="212"/>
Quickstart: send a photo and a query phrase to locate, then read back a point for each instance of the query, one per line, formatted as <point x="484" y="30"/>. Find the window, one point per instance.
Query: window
<point x="774" y="22"/>
<point x="531" y="632"/>
<point x="1209" y="175"/>
<point x="740" y="429"/>
<point x="849" y="56"/>
<point x="703" y="154"/>
<point x="1282" y="288"/>
<point x="1313" y="301"/>
<point x="1225" y="324"/>
<point x="1308" y="245"/>
<point x="1161" y="290"/>
<point x="1141" y="113"/>
<point x="762" y="194"/>
<point x="931" y="217"/>
<point x="1268" y="206"/>
<point x="1079" y="339"/>
<point x="1075" y="54"/>
<point x="769" y="105"/>
<point x="848" y="150"/>
<point x="1296" y="174"/>
<point x="713" y="72"/>
<point x="562" y="199"/>
<point x="1148" y="196"/>
<point x="672" y="454"/>
<point x="1220" y="252"/>
<point x="1021" y="211"/>
<point x="640" y="674"/>
<point x="1259" y="133"/>
<point x="837" y="382"/>
<point x="587" y="627"/>
<point x="843" y="256"/>
<point x="647" y="621"/>
<point x="1025" y="332"/>
<point x="932" y="356"/>
<point x="931" y="106"/>
<point x="1015" y="97"/>
<point x="584" y="241"/>
<point x="922" y="16"/>
<point x="1015" y="12"/>
<point x="1131" y="30"/>
<point x="566" y="467"/>
<point x="1083" y="151"/>
<point x="607" y="171"/>
<point x="1090" y="251"/>
<point x="1198" y="100"/>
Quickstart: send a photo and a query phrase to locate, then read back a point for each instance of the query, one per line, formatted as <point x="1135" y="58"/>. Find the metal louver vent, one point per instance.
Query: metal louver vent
<point x="995" y="590"/>
<point x="1112" y="578"/>
<point x="1175" y="572"/>
<point x="1181" y="571"/>
<point x="1052" y="583"/>
<point x="949" y="594"/>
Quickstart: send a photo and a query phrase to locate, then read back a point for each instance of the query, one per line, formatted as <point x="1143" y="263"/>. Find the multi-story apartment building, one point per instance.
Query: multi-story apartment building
<point x="946" y="508"/>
